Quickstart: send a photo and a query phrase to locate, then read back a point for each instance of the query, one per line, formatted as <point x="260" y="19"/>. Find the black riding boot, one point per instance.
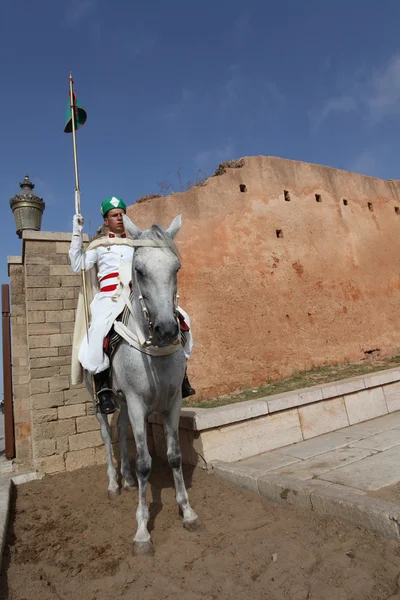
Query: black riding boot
<point x="187" y="389"/>
<point x="105" y="395"/>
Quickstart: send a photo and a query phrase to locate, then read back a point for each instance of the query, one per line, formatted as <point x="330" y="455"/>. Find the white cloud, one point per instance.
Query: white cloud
<point x="343" y="103"/>
<point x="384" y="97"/>
<point x="374" y="95"/>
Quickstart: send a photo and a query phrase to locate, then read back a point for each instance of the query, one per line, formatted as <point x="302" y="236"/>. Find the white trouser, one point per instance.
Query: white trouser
<point x="188" y="347"/>
<point x="91" y="354"/>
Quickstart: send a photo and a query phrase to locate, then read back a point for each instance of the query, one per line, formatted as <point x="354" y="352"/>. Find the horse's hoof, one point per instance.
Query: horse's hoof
<point x="130" y="486"/>
<point x="193" y="525"/>
<point x="113" y="494"/>
<point x="143" y="548"/>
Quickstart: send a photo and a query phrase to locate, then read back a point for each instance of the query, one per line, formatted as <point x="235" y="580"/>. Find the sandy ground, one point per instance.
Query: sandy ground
<point x="67" y="541"/>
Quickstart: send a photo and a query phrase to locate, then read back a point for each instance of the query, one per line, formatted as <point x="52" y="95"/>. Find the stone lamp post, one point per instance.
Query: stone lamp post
<point x="27" y="208"/>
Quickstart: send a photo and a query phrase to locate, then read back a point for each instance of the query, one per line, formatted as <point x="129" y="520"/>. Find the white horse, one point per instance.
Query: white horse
<point x="148" y="371"/>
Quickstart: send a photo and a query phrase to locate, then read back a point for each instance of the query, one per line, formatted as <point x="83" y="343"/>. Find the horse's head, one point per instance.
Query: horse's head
<point x="154" y="277"/>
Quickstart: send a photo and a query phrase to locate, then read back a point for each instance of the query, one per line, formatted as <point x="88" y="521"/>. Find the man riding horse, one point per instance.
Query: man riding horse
<point x="107" y="253"/>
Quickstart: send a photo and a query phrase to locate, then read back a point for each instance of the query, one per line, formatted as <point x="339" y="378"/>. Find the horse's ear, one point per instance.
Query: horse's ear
<point x="131" y="228"/>
<point x="175" y="226"/>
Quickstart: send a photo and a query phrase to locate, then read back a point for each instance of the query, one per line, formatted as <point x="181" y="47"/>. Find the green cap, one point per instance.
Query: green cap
<point x="110" y="203"/>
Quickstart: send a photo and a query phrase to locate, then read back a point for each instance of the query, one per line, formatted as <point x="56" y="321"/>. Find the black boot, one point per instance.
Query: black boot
<point x="187" y="389"/>
<point x="105" y="395"/>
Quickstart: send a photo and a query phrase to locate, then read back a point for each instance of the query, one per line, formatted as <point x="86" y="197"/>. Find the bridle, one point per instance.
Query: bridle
<point x="149" y="340"/>
<point x="136" y="286"/>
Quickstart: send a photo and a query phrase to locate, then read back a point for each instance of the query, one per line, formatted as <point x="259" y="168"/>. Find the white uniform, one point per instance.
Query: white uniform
<point x="104" y="308"/>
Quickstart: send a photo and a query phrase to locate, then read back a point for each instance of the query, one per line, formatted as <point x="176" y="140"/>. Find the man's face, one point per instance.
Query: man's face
<point x="113" y="220"/>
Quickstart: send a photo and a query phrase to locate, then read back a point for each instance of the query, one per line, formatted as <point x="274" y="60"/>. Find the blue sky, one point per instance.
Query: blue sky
<point x="185" y="85"/>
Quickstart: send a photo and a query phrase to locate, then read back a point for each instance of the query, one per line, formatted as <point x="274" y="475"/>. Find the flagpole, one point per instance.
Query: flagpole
<point x="77" y="190"/>
<point x="72" y="104"/>
<point x="78" y="212"/>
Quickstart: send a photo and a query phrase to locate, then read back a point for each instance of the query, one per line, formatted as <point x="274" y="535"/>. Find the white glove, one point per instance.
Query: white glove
<point x="77" y="225"/>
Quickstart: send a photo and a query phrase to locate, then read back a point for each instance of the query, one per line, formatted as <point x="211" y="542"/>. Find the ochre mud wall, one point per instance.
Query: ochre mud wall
<point x="278" y="282"/>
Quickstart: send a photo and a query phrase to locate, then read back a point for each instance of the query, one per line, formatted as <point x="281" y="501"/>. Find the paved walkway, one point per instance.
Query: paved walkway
<point x="337" y="468"/>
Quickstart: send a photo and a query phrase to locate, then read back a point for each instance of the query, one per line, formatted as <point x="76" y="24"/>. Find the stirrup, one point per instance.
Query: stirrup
<point x="106" y="401"/>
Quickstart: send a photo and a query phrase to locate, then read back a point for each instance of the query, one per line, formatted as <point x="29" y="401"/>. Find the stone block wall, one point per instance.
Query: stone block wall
<point x="55" y="427"/>
<point x="19" y="357"/>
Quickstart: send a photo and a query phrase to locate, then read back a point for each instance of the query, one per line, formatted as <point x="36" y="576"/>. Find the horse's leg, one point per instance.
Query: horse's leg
<point x="123" y="424"/>
<point x="171" y="430"/>
<point x="105" y="430"/>
<point x="142" y="543"/>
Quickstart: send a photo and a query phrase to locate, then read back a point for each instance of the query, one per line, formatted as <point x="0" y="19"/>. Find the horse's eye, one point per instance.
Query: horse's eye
<point x="139" y="271"/>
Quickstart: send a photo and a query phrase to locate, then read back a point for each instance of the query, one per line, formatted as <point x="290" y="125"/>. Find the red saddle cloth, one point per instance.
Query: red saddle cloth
<point x="184" y="326"/>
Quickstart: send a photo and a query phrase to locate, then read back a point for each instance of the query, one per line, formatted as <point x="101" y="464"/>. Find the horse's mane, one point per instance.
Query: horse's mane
<point x="161" y="235"/>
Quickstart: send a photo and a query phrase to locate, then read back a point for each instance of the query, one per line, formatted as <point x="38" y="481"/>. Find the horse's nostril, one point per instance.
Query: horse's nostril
<point x="167" y="331"/>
